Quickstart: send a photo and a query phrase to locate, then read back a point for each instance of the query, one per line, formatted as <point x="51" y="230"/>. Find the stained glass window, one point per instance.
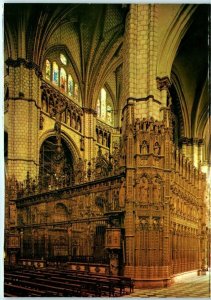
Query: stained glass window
<point x="55" y="73"/>
<point x="63" y="80"/>
<point x="103" y="104"/>
<point x="105" y="107"/>
<point x="109" y="114"/>
<point x="60" y="76"/>
<point x="48" y="70"/>
<point x="63" y="59"/>
<point x="70" y="85"/>
<point x="76" y="91"/>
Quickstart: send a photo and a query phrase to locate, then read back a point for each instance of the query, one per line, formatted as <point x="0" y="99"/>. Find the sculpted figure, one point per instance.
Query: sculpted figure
<point x="144" y="189"/>
<point x="157" y="149"/>
<point x="156" y="191"/>
<point x="144" y="148"/>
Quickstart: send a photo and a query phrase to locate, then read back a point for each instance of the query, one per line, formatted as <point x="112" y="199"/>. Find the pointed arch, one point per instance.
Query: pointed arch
<point x="173" y="38"/>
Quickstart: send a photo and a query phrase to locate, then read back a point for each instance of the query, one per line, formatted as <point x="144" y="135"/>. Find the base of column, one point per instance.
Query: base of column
<point x="152" y="283"/>
<point x="129" y="271"/>
<point x="149" y="277"/>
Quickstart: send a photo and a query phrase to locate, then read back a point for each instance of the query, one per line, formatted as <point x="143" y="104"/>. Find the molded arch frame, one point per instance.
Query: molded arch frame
<point x="63" y="206"/>
<point x="185" y="127"/>
<point x="69" y="142"/>
<point x="206" y="136"/>
<point x="201" y="115"/>
<point x="173" y="38"/>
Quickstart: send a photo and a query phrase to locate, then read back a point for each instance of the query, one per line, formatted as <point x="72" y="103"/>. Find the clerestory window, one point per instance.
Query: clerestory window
<point x="58" y="71"/>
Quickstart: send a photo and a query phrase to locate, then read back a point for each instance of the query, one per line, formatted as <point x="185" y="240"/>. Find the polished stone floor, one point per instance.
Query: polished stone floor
<point x="186" y="285"/>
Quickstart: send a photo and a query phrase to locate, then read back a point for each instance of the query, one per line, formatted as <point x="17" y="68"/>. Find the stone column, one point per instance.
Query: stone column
<point x="23" y="118"/>
<point x="89" y="132"/>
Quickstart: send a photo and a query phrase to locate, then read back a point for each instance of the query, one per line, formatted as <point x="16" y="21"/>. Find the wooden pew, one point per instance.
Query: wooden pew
<point x="17" y="276"/>
<point x="76" y="288"/>
<point x="50" y="289"/>
<point x="90" y="285"/>
<point x="22" y="291"/>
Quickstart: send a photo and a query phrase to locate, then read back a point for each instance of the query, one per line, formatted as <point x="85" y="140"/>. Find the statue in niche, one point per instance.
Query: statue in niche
<point x="79" y="124"/>
<point x="156" y="190"/>
<point x="82" y="144"/>
<point x="156" y="128"/>
<point x="41" y="121"/>
<point x="145" y="125"/>
<point x="73" y="123"/>
<point x="157" y="148"/>
<point x="144" y="189"/>
<point x="144" y="148"/>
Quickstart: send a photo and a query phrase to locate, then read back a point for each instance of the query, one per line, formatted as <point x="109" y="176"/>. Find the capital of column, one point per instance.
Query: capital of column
<point x="26" y="64"/>
<point x="163" y="83"/>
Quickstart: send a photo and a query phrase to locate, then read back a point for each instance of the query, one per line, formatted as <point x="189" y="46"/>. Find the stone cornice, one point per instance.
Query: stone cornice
<point x="26" y="64"/>
<point x="22" y="98"/>
<point x="69" y="192"/>
<point x="191" y="141"/>
<point x="132" y="100"/>
<point x="90" y="111"/>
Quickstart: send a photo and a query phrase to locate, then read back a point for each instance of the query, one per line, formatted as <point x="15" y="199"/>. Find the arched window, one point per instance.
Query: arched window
<point x="76" y="91"/>
<point x="55" y="73"/>
<point x="58" y="70"/>
<point x="70" y="85"/>
<point x="105" y="107"/>
<point x="48" y="69"/>
<point x="63" y="80"/>
<point x="63" y="59"/>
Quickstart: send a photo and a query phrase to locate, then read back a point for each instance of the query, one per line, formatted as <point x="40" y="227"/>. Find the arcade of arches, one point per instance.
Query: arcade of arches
<point x="107" y="137"/>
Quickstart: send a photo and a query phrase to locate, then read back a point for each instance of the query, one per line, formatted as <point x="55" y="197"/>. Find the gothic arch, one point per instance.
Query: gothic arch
<point x="157" y="176"/>
<point x="104" y="71"/>
<point x="173" y="38"/>
<point x="69" y="141"/>
<point x="181" y="106"/>
<point x="61" y="212"/>
<point x="145" y="175"/>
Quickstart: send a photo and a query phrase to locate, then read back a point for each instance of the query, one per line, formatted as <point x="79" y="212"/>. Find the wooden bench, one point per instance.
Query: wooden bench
<point x="9" y="295"/>
<point x="89" y="284"/>
<point x="18" y="290"/>
<point x="17" y="276"/>
<point x="50" y="289"/>
<point x="76" y="288"/>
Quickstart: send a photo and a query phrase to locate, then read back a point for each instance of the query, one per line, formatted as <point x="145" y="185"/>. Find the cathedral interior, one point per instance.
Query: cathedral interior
<point x="107" y="140"/>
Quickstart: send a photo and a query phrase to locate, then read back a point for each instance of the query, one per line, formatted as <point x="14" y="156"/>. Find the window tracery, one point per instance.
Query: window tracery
<point x="57" y="70"/>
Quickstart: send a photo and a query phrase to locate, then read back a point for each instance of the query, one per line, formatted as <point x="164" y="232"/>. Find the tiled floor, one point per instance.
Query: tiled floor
<point x="187" y="285"/>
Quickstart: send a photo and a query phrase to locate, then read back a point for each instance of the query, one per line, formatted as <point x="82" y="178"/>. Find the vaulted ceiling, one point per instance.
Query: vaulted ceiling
<point x="91" y="34"/>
